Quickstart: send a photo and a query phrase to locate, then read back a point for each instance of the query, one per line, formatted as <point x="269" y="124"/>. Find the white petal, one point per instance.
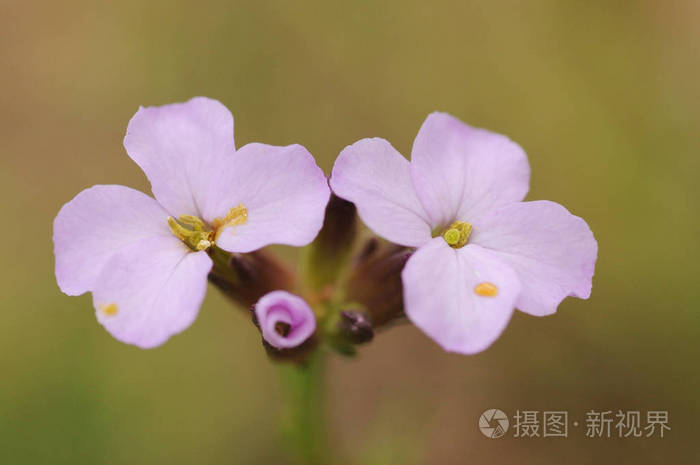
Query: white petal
<point x="552" y="251"/>
<point x="180" y="147"/>
<point x="96" y="224"/>
<point x="151" y="290"/>
<point x="459" y="170"/>
<point x="377" y="179"/>
<point x="283" y="190"/>
<point x="443" y="295"/>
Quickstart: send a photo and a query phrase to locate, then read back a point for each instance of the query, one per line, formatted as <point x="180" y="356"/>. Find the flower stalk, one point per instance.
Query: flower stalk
<point x="304" y="426"/>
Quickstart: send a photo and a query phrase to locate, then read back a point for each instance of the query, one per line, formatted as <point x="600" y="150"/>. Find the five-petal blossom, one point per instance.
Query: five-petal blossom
<point x="146" y="260"/>
<point x="481" y="251"/>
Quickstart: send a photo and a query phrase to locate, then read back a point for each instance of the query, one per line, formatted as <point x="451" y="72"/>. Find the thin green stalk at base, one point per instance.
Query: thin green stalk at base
<point x="303" y="417"/>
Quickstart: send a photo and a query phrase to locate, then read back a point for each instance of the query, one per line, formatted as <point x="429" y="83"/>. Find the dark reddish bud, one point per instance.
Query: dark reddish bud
<point x="375" y="281"/>
<point x="355" y="327"/>
<point x="245" y="278"/>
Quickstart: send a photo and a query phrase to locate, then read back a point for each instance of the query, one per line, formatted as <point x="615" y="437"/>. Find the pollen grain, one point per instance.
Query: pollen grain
<point x="486" y="289"/>
<point x="110" y="310"/>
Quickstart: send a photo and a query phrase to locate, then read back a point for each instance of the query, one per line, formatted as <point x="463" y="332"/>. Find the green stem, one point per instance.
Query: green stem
<point x="304" y="425"/>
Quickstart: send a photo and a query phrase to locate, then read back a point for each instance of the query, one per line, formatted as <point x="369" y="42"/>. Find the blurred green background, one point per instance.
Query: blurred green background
<point x="604" y="97"/>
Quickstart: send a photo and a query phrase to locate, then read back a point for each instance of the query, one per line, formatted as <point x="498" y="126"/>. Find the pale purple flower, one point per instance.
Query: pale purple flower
<point x="145" y="260"/>
<point x="285" y="320"/>
<point x="465" y="186"/>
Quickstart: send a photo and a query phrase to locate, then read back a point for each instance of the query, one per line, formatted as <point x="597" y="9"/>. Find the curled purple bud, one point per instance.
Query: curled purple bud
<point x="285" y="320"/>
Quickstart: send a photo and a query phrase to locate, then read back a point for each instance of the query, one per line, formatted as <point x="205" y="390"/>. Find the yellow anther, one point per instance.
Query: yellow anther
<point x="197" y="238"/>
<point x="457" y="234"/>
<point x="486" y="290"/>
<point x="196" y="223"/>
<point x="178" y="230"/>
<point x="197" y="235"/>
<point x="236" y="216"/>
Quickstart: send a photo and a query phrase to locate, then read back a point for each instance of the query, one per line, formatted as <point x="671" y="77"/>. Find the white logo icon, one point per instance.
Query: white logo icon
<point x="493" y="423"/>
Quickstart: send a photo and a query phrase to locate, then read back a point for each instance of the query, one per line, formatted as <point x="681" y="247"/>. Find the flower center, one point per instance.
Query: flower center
<point x="192" y="231"/>
<point x="283" y="328"/>
<point x="457" y="234"/>
<point x="197" y="235"/>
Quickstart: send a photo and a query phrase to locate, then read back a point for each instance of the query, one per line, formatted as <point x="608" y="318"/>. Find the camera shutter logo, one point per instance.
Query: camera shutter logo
<point x="493" y="423"/>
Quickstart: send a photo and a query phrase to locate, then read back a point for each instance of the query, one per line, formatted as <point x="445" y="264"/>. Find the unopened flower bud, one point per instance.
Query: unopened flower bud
<point x="355" y="327"/>
<point x="375" y="281"/>
<point x="285" y="320"/>
<point x="245" y="278"/>
<point x="331" y="248"/>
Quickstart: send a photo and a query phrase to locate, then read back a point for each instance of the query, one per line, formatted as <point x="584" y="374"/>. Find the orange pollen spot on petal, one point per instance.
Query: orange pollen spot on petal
<point x="110" y="310"/>
<point x="486" y="290"/>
